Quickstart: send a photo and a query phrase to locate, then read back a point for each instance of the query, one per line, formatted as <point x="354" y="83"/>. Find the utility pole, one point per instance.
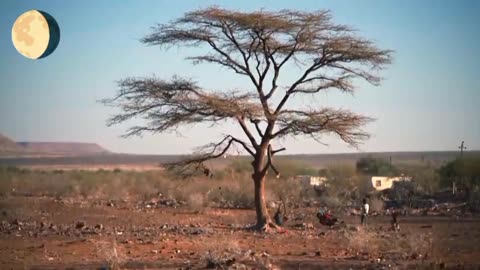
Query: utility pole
<point x="462" y="147"/>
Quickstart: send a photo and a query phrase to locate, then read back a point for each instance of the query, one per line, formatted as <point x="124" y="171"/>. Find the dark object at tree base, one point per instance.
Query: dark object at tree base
<point x="326" y="219"/>
<point x="278" y="218"/>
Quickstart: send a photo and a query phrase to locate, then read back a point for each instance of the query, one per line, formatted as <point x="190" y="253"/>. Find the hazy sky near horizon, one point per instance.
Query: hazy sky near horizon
<point x="429" y="100"/>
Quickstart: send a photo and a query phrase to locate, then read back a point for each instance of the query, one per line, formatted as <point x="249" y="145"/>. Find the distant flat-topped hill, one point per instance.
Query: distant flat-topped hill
<point x="68" y="148"/>
<point x="10" y="148"/>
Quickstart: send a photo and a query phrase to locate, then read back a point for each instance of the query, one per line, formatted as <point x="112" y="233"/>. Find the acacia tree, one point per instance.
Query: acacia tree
<point x="258" y="45"/>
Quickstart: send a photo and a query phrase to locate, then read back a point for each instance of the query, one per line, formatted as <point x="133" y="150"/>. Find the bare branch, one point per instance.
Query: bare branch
<point x="270" y="162"/>
<point x="256" y="122"/>
<point x="209" y="152"/>
<point x="318" y="83"/>
<point x="278" y="150"/>
<point x="244" y="144"/>
<point x="247" y="132"/>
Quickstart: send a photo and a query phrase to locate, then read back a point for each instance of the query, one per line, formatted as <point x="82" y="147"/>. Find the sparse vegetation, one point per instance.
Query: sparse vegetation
<point x="196" y="192"/>
<point x="465" y="172"/>
<point x="376" y="166"/>
<point x="375" y="243"/>
<point x="203" y="210"/>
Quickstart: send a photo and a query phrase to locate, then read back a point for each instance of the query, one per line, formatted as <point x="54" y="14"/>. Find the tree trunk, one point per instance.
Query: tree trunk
<point x="263" y="218"/>
<point x="264" y="221"/>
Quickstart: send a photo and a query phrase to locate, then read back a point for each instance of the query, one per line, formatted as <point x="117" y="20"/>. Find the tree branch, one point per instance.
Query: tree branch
<point x="257" y="126"/>
<point x="247" y="132"/>
<point x="270" y="162"/>
<point x="209" y="152"/>
<point x="278" y="150"/>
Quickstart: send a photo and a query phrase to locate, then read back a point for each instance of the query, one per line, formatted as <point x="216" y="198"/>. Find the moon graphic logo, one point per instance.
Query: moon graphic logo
<point x="35" y="34"/>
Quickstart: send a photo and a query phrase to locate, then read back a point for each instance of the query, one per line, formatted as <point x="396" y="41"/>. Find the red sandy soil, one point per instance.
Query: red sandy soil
<point x="180" y="238"/>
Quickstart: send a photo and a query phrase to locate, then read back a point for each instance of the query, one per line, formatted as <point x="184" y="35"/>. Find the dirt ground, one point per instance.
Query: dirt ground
<point x="49" y="233"/>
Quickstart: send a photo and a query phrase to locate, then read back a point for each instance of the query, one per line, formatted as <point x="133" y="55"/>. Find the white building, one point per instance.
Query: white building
<point x="385" y="182"/>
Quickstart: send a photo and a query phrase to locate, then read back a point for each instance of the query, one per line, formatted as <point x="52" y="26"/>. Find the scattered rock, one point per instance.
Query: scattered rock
<point x="17" y="222"/>
<point x="53" y="227"/>
<point x="80" y="224"/>
<point x="305" y="226"/>
<point x="99" y="226"/>
<point x="198" y="231"/>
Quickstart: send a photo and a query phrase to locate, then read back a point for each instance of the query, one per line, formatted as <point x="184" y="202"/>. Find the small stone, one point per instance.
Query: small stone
<point x="318" y="253"/>
<point x="80" y="224"/>
<point x="155" y="251"/>
<point x="17" y="222"/>
<point x="99" y="226"/>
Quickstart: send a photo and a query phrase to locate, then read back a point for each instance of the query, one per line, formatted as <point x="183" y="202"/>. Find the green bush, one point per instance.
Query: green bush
<point x="375" y="166"/>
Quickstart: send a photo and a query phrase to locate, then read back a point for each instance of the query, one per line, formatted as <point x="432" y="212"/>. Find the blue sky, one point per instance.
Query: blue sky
<point x="429" y="100"/>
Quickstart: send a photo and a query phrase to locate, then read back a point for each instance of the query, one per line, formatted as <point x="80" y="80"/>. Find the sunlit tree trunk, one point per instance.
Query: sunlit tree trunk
<point x="264" y="221"/>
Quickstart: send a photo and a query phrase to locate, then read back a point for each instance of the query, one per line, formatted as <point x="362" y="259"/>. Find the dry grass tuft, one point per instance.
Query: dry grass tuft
<point x="110" y="251"/>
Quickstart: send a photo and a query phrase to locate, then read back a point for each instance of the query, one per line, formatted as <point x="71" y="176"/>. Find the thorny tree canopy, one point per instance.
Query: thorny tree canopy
<point x="256" y="45"/>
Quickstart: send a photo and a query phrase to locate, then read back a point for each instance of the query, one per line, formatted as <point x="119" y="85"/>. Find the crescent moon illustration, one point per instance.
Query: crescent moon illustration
<point x="35" y="34"/>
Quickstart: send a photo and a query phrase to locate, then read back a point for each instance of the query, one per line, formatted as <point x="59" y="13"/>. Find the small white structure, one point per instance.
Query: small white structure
<point x="309" y="180"/>
<point x="385" y="182"/>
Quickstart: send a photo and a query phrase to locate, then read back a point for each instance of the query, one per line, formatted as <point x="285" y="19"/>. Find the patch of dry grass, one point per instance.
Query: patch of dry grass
<point x="110" y="252"/>
<point x="377" y="243"/>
